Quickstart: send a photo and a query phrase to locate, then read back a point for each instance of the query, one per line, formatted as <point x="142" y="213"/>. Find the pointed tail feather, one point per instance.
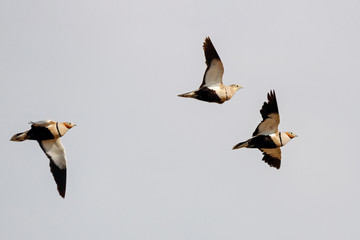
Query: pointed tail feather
<point x="189" y="94"/>
<point x="241" y="145"/>
<point x="19" y="137"/>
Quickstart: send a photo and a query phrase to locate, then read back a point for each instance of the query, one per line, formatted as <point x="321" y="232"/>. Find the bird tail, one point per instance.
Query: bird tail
<point x="241" y="145"/>
<point x="189" y="94"/>
<point x="19" y="137"/>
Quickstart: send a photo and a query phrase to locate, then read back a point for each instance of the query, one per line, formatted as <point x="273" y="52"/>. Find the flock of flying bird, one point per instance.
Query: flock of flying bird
<point x="266" y="136"/>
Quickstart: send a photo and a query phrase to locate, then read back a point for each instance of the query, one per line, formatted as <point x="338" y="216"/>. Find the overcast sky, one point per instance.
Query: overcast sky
<point x="146" y="164"/>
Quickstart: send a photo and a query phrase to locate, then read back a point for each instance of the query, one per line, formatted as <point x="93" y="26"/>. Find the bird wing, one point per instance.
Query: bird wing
<point x="215" y="69"/>
<point x="43" y="123"/>
<point x="270" y="115"/>
<point x="272" y="156"/>
<point x="55" y="151"/>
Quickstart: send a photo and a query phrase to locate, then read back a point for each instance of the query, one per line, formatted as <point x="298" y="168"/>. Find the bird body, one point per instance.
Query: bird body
<point x="266" y="136"/>
<point x="218" y="94"/>
<point x="212" y="88"/>
<point x="273" y="140"/>
<point x="42" y="131"/>
<point x="47" y="133"/>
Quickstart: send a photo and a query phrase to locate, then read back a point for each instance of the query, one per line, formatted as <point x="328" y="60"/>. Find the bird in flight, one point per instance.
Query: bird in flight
<point x="212" y="88"/>
<point x="266" y="136"/>
<point x="47" y="133"/>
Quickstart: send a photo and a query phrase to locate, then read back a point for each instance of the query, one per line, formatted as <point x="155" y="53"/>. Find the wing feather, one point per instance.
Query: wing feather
<point x="43" y="123"/>
<point x="55" y="151"/>
<point x="270" y="115"/>
<point x="272" y="156"/>
<point x="215" y="69"/>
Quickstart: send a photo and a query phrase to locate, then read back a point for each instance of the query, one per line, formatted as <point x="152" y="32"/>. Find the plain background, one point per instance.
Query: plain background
<point x="146" y="164"/>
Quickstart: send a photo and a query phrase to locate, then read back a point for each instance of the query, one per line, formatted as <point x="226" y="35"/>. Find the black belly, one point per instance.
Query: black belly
<point x="208" y="95"/>
<point x="262" y="142"/>
<point x="39" y="133"/>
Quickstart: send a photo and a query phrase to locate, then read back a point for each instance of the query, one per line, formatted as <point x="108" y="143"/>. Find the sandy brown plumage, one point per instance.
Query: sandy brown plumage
<point x="266" y="136"/>
<point x="47" y="133"/>
<point x="212" y="88"/>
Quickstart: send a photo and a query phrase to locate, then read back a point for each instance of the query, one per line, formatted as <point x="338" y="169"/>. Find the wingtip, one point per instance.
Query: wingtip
<point x="271" y="93"/>
<point x="275" y="166"/>
<point x="62" y="194"/>
<point x="206" y="41"/>
<point x="270" y="106"/>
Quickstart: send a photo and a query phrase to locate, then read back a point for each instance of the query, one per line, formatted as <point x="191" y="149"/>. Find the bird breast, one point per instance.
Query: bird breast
<point x="229" y="92"/>
<point x="58" y="129"/>
<point x="224" y="92"/>
<point x="280" y="139"/>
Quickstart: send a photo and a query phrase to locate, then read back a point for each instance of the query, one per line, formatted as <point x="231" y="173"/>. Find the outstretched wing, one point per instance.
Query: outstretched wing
<point x="55" y="151"/>
<point x="272" y="156"/>
<point x="270" y="115"/>
<point x="215" y="69"/>
<point x="43" y="123"/>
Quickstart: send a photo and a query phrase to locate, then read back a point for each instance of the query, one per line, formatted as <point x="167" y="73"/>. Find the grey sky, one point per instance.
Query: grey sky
<point x="146" y="164"/>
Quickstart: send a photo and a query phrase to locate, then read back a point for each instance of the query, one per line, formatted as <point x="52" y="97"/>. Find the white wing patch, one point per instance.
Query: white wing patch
<point x="213" y="75"/>
<point x="55" y="151"/>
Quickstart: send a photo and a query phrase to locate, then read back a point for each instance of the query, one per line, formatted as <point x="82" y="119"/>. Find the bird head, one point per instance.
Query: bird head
<point x="291" y="134"/>
<point x="235" y="87"/>
<point x="69" y="124"/>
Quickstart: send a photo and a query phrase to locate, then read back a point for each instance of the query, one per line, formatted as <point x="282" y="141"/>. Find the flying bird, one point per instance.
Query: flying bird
<point x="47" y="133"/>
<point x="212" y="88"/>
<point x="266" y="136"/>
